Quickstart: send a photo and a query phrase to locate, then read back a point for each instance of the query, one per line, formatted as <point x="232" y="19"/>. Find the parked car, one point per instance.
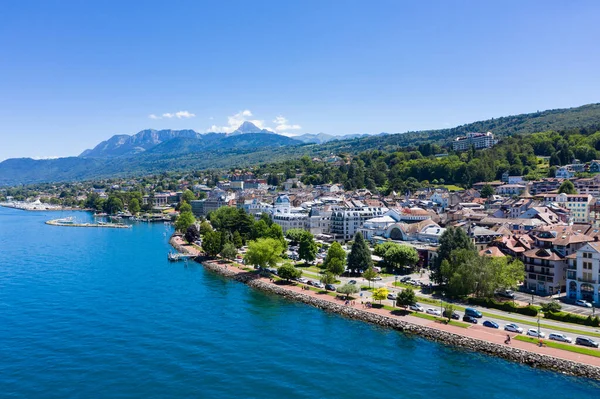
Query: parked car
<point x="560" y="337"/>
<point x="470" y="319"/>
<point x="512" y="327"/>
<point x="405" y="279"/>
<point x="330" y="287"/>
<point x="586" y="342"/>
<point x="506" y="294"/>
<point x="490" y="324"/>
<point x="377" y="278"/>
<point x="352" y="282"/>
<point x="473" y="313"/>
<point x="454" y="315"/>
<point x="310" y="282"/>
<point x="581" y="302"/>
<point x="416" y="308"/>
<point x="433" y="311"/>
<point x="303" y="280"/>
<point x="391" y="296"/>
<point x="318" y="284"/>
<point x="532" y="332"/>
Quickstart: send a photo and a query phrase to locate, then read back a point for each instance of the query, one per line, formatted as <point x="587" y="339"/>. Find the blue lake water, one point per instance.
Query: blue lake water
<point x="100" y="313"/>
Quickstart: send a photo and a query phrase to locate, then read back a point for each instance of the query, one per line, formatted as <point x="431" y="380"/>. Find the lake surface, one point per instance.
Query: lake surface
<point x="101" y="313"/>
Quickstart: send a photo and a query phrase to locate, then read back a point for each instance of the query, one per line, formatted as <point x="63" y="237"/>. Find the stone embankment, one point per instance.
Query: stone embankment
<point x="444" y="337"/>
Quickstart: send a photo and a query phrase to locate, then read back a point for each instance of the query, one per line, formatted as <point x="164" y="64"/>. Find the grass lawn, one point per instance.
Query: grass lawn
<point x="403" y="285"/>
<point x="450" y="187"/>
<point x="558" y="345"/>
<point x="435" y="318"/>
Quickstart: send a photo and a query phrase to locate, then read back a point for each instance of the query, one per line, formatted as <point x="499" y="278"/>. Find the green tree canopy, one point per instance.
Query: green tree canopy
<point x="205" y="227"/>
<point x="335" y="251"/>
<point x="453" y="238"/>
<point x="328" y="278"/>
<point x="264" y="252"/>
<point x="294" y="235"/>
<point x="289" y="272"/>
<point x="336" y="266"/>
<point x="188" y="196"/>
<point x="184" y="220"/>
<point x="567" y="187"/>
<point x="211" y="243"/>
<point x="379" y="294"/>
<point x="229" y="251"/>
<point x="369" y="274"/>
<point x="307" y="250"/>
<point x="487" y="191"/>
<point x="395" y="255"/>
<point x="185" y="207"/>
<point x="192" y="234"/>
<point x="359" y="257"/>
<point x="134" y="206"/>
<point x="406" y="297"/>
<point x="348" y="289"/>
<point x="113" y="205"/>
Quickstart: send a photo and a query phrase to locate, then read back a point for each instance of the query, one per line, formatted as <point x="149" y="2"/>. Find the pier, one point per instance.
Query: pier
<point x="71" y="223"/>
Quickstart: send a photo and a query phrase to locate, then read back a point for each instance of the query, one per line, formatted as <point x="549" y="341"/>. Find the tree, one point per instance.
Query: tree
<point x="266" y="218"/>
<point x="380" y="294"/>
<point x="369" y="275"/>
<point x="406" y="297"/>
<point x="229" y="251"/>
<point x="328" y="278"/>
<point x="308" y="247"/>
<point x="335" y="254"/>
<point x="348" y="289"/>
<point x="452" y="239"/>
<point x="211" y="243"/>
<point x="567" y="187"/>
<point x="336" y="267"/>
<point x="264" y="252"/>
<point x="448" y="311"/>
<point x="276" y="232"/>
<point x="134" y="206"/>
<point x="192" y="234"/>
<point x="184" y="220"/>
<point x="260" y="229"/>
<point x="395" y="255"/>
<point x="205" y="227"/>
<point x="237" y="239"/>
<point x="185" y="207"/>
<point x="187" y="196"/>
<point x="359" y="257"/>
<point x="288" y="272"/>
<point x="113" y="205"/>
<point x="294" y="235"/>
<point x="487" y="191"/>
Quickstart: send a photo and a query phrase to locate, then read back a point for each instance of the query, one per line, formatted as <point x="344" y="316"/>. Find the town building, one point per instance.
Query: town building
<point x="583" y="273"/>
<point x="577" y="204"/>
<point x="476" y="140"/>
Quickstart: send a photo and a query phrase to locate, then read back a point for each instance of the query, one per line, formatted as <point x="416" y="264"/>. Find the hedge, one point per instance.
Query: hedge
<point x="506" y="306"/>
<point x="573" y="318"/>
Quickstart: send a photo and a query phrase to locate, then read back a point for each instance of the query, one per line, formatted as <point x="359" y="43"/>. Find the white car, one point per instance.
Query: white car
<point x="513" y="328"/>
<point x="391" y="296"/>
<point x="416" y="308"/>
<point x="352" y="282"/>
<point x="581" y="302"/>
<point x="532" y="332"/>
<point x="303" y="280"/>
<point x="560" y="337"/>
<point x="318" y="284"/>
<point x="433" y="311"/>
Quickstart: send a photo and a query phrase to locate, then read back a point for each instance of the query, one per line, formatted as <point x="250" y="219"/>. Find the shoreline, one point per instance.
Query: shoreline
<point x="440" y="334"/>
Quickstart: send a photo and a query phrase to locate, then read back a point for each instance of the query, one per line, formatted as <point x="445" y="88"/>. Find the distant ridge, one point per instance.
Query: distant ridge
<point x="152" y="151"/>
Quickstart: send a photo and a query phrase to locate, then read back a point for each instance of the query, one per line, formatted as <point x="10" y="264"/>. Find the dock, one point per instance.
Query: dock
<point x="71" y="223"/>
<point x="175" y="257"/>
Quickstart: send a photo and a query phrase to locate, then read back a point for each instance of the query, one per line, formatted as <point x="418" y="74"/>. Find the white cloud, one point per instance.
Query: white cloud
<point x="234" y="121"/>
<point x="283" y="126"/>
<point x="169" y="115"/>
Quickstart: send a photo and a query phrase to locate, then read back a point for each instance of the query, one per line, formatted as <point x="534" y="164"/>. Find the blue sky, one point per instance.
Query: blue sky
<point x="74" y="73"/>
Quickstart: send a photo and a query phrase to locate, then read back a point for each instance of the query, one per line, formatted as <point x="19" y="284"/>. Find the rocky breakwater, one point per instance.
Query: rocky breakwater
<point x="447" y="338"/>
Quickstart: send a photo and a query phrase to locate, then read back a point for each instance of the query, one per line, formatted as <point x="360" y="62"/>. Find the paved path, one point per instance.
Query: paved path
<point x="475" y="331"/>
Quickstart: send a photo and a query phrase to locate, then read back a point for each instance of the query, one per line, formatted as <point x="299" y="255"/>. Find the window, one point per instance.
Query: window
<point x="587" y="265"/>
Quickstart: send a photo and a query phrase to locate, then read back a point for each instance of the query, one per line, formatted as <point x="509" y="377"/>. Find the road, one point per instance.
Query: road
<point x="525" y="322"/>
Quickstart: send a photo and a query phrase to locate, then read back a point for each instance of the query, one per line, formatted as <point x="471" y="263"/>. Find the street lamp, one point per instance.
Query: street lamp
<point x="442" y="304"/>
<point x="532" y="292"/>
<point x="538" y="334"/>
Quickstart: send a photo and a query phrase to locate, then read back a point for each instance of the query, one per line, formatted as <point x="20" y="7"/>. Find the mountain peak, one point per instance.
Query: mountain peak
<point x="249" y="127"/>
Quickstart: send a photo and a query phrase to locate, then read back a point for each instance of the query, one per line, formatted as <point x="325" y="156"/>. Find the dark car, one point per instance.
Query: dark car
<point x="330" y="287"/>
<point x="404" y="279"/>
<point x="470" y="319"/>
<point x="586" y="342"/>
<point x="454" y="315"/>
<point x="490" y="324"/>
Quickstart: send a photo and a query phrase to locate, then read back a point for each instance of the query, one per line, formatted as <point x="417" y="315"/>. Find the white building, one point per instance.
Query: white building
<point x="477" y="140"/>
<point x="345" y="222"/>
<point x="577" y="204"/>
<point x="583" y="273"/>
<point x="510" y="189"/>
<point x="564" y="173"/>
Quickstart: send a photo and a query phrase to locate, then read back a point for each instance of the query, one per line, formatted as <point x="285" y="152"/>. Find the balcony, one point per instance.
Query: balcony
<point x="586" y="280"/>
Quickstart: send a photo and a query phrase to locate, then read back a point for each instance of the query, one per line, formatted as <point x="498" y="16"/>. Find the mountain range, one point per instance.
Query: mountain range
<point x="151" y="151"/>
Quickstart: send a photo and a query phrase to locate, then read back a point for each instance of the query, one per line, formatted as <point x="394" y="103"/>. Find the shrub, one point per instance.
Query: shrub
<point x="505" y="306"/>
<point x="573" y="318"/>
